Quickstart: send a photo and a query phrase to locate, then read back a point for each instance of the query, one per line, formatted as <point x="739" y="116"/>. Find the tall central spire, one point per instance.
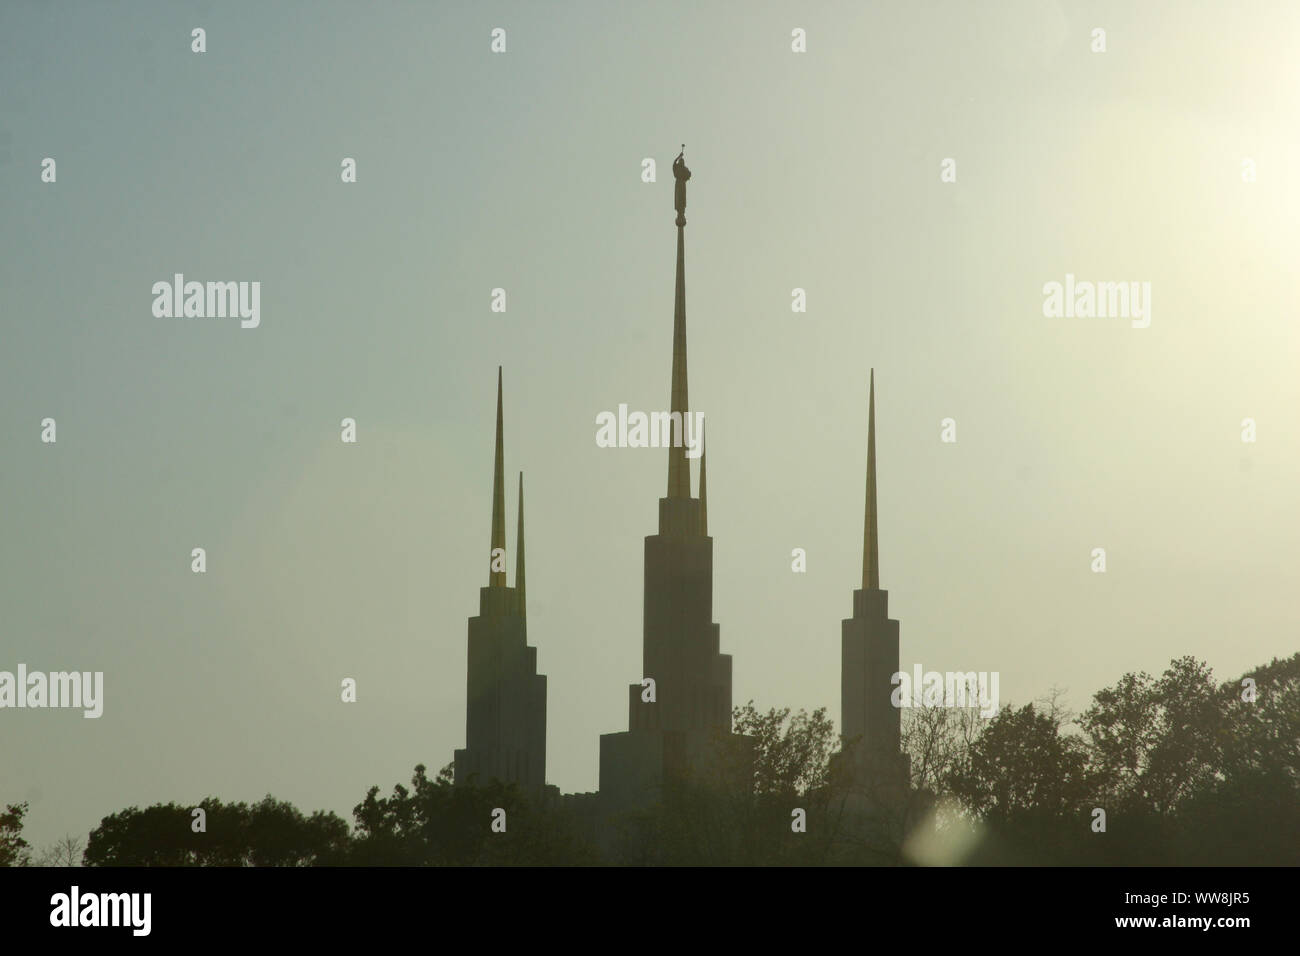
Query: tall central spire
<point x="679" y="466"/>
<point x="870" y="544"/>
<point x="673" y="734"/>
<point x="497" y="579"/>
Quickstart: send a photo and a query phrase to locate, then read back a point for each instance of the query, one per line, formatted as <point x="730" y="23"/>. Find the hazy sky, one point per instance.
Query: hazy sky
<point x="521" y="170"/>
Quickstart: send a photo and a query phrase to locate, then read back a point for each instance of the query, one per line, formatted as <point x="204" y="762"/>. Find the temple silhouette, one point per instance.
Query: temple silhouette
<point x="680" y="709"/>
<point x="505" y="697"/>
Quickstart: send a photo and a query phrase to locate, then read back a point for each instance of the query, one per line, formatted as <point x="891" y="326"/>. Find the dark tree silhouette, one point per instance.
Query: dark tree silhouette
<point x="14" y="850"/>
<point x="434" y="823"/>
<point x="267" y="833"/>
<point x="1187" y="771"/>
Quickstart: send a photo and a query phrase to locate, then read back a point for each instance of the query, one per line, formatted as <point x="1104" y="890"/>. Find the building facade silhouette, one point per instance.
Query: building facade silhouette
<point x="505" y="709"/>
<point x="674" y="722"/>
<point x="680" y="710"/>
<point x="869" y="722"/>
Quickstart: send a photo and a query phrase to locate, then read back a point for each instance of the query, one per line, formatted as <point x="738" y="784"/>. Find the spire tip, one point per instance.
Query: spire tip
<point x="870" y="536"/>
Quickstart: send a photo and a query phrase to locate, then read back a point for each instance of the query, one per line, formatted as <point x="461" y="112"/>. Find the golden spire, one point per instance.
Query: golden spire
<point x="679" y="466"/>
<point x="519" y="550"/>
<point x="870" y="545"/>
<point x="498" y="578"/>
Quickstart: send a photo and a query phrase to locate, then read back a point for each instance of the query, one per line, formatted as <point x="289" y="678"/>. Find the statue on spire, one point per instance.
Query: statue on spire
<point x="681" y="174"/>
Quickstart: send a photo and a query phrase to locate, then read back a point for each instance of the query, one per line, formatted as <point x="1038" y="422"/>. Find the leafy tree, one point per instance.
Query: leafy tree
<point x="1021" y="764"/>
<point x="738" y="808"/>
<point x="1188" y="772"/>
<point x="279" y="834"/>
<point x="434" y="823"/>
<point x="1028" y="783"/>
<point x="1249" y="814"/>
<point x="14" y="850"/>
<point x="1263" y="734"/>
<point x="1155" y="742"/>
<point x="792" y="755"/>
<point x="268" y="833"/>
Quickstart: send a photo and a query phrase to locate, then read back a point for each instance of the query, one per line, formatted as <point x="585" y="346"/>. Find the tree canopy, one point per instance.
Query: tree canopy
<point x="1174" y="769"/>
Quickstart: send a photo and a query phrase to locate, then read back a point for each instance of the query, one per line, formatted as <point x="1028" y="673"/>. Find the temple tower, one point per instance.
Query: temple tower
<point x="869" y="721"/>
<point x="673" y="733"/>
<point x="505" y="713"/>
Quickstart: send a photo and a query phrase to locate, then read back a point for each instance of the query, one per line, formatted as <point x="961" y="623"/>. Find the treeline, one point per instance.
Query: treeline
<point x="1175" y="769"/>
<point x="1185" y="771"/>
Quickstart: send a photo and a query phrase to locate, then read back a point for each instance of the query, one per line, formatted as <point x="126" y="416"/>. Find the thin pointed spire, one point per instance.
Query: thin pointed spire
<point x="704" y="489"/>
<point x="519" y="551"/>
<point x="870" y="544"/>
<point x="498" y="578"/>
<point x="679" y="466"/>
